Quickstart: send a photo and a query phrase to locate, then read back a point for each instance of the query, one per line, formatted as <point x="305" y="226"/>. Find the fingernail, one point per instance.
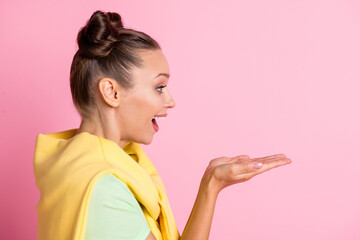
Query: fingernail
<point x="258" y="165"/>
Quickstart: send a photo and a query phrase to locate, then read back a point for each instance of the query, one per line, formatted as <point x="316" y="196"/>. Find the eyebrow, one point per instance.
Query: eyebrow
<point x="163" y="74"/>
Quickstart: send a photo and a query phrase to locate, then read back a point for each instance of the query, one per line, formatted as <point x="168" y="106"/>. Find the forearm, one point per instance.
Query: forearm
<point x="199" y="223"/>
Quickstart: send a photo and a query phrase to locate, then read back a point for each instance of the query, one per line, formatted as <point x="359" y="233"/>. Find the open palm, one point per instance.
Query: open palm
<point x="230" y="170"/>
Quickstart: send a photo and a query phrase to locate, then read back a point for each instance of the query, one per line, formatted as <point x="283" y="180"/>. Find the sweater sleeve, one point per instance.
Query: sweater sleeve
<point x="114" y="213"/>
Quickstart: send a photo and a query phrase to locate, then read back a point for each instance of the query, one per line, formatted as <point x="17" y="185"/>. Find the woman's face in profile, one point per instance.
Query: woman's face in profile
<point x="148" y="98"/>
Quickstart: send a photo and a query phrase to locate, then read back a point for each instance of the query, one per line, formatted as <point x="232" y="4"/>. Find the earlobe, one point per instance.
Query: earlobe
<point x="108" y="91"/>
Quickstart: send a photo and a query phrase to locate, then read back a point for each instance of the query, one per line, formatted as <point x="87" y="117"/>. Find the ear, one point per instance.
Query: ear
<point x="109" y="90"/>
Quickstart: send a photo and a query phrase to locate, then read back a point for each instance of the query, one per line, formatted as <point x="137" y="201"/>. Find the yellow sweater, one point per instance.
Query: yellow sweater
<point x="66" y="168"/>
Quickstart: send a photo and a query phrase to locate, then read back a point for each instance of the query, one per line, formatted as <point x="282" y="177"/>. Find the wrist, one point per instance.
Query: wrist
<point x="209" y="185"/>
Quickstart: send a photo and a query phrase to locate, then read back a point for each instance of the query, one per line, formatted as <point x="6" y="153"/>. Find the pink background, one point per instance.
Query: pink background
<point x="249" y="77"/>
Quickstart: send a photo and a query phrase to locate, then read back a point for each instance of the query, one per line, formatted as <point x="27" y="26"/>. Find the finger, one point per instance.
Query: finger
<point x="272" y="160"/>
<point x="238" y="168"/>
<point x="271" y="157"/>
<point x="267" y="165"/>
<point x="263" y="167"/>
<point x="268" y="159"/>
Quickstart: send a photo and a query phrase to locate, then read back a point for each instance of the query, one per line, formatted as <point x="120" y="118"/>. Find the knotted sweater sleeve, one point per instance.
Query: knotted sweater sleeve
<point x="114" y="213"/>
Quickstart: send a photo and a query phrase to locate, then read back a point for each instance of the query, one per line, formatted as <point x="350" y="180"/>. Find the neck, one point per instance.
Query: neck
<point x="102" y="127"/>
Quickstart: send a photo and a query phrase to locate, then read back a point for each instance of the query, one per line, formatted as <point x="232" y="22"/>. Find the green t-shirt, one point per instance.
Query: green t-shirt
<point x="114" y="212"/>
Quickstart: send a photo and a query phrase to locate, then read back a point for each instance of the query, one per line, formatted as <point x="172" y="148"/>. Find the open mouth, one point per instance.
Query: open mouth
<point x="155" y="125"/>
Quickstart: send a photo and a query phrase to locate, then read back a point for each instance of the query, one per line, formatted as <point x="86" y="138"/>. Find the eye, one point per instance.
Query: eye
<point x="161" y="88"/>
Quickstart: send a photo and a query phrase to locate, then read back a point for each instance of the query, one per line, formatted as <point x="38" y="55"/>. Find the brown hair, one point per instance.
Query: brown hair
<point x="106" y="49"/>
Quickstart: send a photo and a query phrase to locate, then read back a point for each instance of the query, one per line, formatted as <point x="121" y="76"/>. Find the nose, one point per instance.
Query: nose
<point x="170" y="102"/>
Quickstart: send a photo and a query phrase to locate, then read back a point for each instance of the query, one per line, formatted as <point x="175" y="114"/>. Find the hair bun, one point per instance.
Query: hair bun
<point x="96" y="38"/>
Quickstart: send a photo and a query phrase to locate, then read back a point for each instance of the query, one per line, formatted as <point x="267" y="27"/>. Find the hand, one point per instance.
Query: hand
<point x="225" y="171"/>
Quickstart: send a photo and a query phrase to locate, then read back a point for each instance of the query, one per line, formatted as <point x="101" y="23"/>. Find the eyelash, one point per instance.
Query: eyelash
<point x="161" y="88"/>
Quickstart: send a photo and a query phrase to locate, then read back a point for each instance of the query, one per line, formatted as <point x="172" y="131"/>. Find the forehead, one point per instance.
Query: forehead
<point x="153" y="63"/>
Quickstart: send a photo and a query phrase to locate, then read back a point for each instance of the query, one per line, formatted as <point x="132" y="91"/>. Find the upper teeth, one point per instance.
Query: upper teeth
<point x="156" y="117"/>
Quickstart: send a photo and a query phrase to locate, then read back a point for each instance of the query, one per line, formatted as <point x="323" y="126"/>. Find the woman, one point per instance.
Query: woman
<point x="96" y="182"/>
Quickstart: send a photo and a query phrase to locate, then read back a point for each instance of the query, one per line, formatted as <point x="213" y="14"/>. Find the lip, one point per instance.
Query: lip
<point x="163" y="115"/>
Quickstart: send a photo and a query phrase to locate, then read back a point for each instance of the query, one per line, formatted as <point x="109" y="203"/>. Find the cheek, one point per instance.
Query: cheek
<point x="149" y="104"/>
